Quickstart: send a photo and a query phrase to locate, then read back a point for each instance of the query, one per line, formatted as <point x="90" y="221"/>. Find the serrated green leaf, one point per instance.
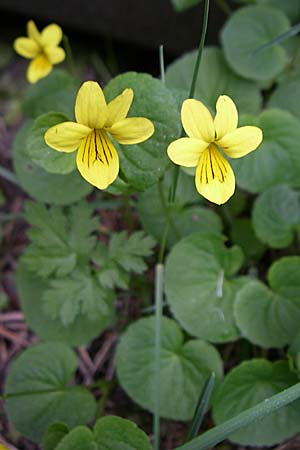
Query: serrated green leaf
<point x="129" y="252"/>
<point x="46" y="367"/>
<point x="277" y="159"/>
<point x="198" y="278"/>
<point x="41" y="185"/>
<point x="185" y="367"/>
<point x="215" y="78"/>
<point x="247" y="30"/>
<point x="269" y="317"/>
<point x="143" y="164"/>
<point x="56" y="92"/>
<point x="80" y="332"/>
<point x="276" y="216"/>
<point x="247" y="385"/>
<point x="44" y="156"/>
<point x="59" y="241"/>
<point x="79" y="293"/>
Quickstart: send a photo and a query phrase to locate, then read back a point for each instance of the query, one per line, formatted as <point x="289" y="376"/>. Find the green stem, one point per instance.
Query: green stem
<point x="221" y="432"/>
<point x="200" y="48"/>
<point x="162" y="64"/>
<point x="166" y="210"/>
<point x="159" y="284"/>
<point x="8" y="175"/>
<point x="194" y="79"/>
<point x="69" y="54"/>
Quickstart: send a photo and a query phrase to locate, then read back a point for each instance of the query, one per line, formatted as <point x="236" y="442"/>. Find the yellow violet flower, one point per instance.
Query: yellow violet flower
<point x="42" y="48"/>
<point x="97" y="159"/>
<point x="214" y="177"/>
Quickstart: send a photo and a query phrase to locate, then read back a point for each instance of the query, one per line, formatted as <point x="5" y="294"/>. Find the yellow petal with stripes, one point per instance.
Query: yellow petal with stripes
<point x="214" y="178"/>
<point x="66" y="136"/>
<point x="186" y="151"/>
<point x="241" y="141"/>
<point x="97" y="160"/>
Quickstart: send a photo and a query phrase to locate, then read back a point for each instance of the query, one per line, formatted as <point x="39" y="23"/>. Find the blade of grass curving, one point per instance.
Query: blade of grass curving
<point x="222" y="431"/>
<point x="278" y="39"/>
<point x="201" y="408"/>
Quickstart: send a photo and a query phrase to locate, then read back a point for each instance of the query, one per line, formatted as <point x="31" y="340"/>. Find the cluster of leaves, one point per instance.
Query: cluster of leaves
<point x="246" y="292"/>
<point x="79" y="273"/>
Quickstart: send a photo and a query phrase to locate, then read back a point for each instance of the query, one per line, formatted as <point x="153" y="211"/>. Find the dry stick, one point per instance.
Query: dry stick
<point x="101" y="356"/>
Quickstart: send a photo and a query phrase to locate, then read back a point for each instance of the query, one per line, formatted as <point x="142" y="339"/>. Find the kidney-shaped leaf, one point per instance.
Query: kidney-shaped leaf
<point x="276" y="216"/>
<point x="215" y="78"/>
<point x="185" y="367"/>
<point x="199" y="287"/>
<point x="245" y="32"/>
<point x="277" y="160"/>
<point x="41" y="185"/>
<point x="270" y="317"/>
<point x="249" y="384"/>
<point x="41" y="373"/>
<point x="143" y="164"/>
<point x="41" y="154"/>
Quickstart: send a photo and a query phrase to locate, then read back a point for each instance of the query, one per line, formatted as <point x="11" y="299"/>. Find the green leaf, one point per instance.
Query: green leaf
<point x="186" y="216"/>
<point x="143" y="164"/>
<point x="80" y="332"/>
<point x="286" y="96"/>
<point x="54" y="435"/>
<point x="270" y="317"/>
<point x="79" y="293"/>
<point x="276" y="216"/>
<point x="215" y="78"/>
<point x="277" y="159"/>
<point x="41" y="185"/>
<point x="182" y="5"/>
<point x="247" y="30"/>
<point x="58" y="240"/>
<point x="115" y="433"/>
<point x="248" y="384"/>
<point x="110" y="433"/>
<point x="44" y="156"/>
<point x="198" y="278"/>
<point x="291" y="7"/>
<point x="242" y="234"/>
<point x="129" y="252"/>
<point x="56" y="92"/>
<point x="41" y="374"/>
<point x="185" y="367"/>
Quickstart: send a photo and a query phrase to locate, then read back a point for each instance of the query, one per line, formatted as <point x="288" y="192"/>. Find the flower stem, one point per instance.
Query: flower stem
<point x="159" y="285"/>
<point x="194" y="79"/>
<point x="8" y="175"/>
<point x="200" y="48"/>
<point x="69" y="54"/>
<point x="162" y="64"/>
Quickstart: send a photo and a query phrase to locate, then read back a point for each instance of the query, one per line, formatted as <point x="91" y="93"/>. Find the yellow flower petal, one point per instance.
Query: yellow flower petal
<point x="38" y="68"/>
<point x="214" y="179"/>
<point x="241" y="141"/>
<point x="197" y="120"/>
<point x="118" y="108"/>
<point x="51" y="35"/>
<point x="66" y="136"/>
<point x="90" y="106"/>
<point x="97" y="160"/>
<point x="26" y="47"/>
<point x="186" y="151"/>
<point x="226" y="119"/>
<point x="32" y="31"/>
<point x="131" y="130"/>
<point x="55" y="54"/>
